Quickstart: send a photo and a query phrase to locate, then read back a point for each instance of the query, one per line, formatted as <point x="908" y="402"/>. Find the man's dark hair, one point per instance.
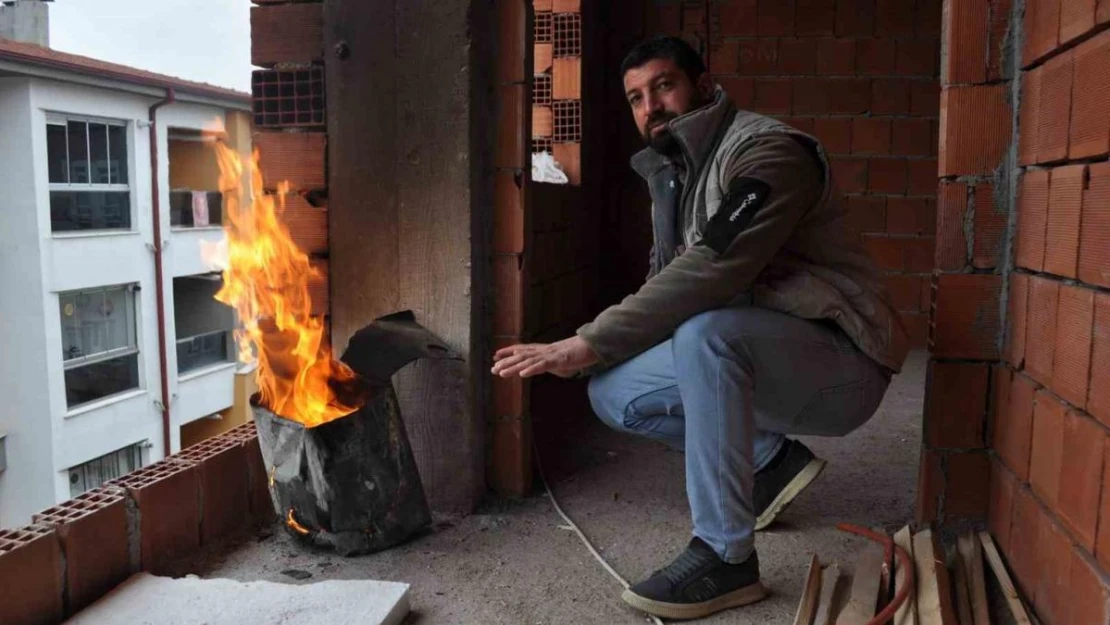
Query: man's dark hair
<point x="672" y="48"/>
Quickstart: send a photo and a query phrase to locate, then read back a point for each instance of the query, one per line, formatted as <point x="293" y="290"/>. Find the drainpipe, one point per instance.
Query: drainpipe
<point x="159" y="292"/>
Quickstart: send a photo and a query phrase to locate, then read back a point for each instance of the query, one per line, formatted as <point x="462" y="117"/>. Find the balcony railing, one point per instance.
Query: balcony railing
<point x="203" y="350"/>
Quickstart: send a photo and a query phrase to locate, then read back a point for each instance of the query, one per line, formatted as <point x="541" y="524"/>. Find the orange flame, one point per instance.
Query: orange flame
<point x="266" y="281"/>
<point x="297" y="527"/>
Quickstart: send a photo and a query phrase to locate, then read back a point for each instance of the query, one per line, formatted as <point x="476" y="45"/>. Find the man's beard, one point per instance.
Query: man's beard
<point x="663" y="141"/>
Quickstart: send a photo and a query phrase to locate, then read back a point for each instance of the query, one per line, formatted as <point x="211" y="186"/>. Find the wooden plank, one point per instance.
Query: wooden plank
<point x="866" y="579"/>
<point x="1021" y="617"/>
<point x="828" y="601"/>
<point x="886" y="584"/>
<point x="972" y="554"/>
<point x="807" y="607"/>
<point x="963" y="591"/>
<point x="907" y="612"/>
<point x="934" y="590"/>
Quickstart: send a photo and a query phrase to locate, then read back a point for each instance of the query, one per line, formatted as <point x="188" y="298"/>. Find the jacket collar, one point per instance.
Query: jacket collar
<point x="697" y="132"/>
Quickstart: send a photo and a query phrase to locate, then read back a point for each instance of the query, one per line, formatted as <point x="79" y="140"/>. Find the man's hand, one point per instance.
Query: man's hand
<point x="563" y="359"/>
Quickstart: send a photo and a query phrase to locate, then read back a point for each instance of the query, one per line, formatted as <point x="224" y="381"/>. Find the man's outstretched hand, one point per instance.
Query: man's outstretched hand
<point x="564" y="359"/>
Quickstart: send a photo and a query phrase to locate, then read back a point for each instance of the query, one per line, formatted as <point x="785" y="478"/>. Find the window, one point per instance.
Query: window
<point x="88" y="175"/>
<point x="202" y="323"/>
<point x="99" y="348"/>
<point x="94" y="473"/>
<point x="194" y="209"/>
<point x="195" y="198"/>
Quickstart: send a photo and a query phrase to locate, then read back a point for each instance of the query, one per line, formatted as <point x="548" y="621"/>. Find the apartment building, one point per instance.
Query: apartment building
<point x="114" y="352"/>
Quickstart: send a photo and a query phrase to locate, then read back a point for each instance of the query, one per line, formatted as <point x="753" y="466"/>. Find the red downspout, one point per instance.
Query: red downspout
<point x="159" y="293"/>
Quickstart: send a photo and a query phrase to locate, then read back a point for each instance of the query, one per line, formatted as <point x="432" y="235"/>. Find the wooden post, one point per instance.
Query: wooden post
<point x="934" y="597"/>
<point x="907" y="612"/>
<point x="866" y="579"/>
<point x="807" y="607"/>
<point x="972" y="554"/>
<point x="828" y="604"/>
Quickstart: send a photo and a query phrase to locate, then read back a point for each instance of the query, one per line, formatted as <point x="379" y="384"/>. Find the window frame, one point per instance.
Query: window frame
<point x="132" y="310"/>
<point x="63" y="120"/>
<point x="132" y="306"/>
<point x="135" y="450"/>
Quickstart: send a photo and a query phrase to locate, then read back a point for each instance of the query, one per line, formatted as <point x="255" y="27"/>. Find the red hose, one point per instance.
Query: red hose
<point x="903" y="593"/>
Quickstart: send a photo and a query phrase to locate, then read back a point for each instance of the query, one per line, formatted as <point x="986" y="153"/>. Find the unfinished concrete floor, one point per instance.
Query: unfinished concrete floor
<point x="512" y="563"/>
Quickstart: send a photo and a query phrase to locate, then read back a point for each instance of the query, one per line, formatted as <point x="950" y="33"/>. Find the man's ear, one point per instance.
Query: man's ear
<point x="705" y="86"/>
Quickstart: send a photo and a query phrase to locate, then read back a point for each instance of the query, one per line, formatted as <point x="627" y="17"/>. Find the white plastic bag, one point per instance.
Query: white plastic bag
<point x="545" y="169"/>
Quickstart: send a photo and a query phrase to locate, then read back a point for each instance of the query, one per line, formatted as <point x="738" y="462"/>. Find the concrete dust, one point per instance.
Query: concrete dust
<point x="512" y="563"/>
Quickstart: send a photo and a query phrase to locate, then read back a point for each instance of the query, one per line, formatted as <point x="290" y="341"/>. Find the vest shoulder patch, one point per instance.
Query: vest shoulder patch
<point x="744" y="199"/>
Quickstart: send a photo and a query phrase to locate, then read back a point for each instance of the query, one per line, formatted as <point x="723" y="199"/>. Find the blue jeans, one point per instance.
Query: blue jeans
<point x="726" y="388"/>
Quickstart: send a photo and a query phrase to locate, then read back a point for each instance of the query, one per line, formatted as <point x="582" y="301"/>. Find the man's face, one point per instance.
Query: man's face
<point x="659" y="91"/>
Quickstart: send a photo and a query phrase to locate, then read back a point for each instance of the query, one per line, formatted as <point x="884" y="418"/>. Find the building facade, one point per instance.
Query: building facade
<point x="90" y="393"/>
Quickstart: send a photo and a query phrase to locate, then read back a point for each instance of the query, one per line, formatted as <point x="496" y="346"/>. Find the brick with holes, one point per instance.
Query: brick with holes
<point x="567" y="35"/>
<point x="31" y="576"/>
<point x="291" y="98"/>
<point x="224" y="485"/>
<point x="93" y="530"/>
<point x="167" y="495"/>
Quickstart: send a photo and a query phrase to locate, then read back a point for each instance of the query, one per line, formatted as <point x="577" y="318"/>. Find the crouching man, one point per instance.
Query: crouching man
<point x="761" y="317"/>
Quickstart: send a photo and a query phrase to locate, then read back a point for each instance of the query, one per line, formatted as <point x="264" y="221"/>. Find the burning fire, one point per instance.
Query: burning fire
<point x="266" y="281"/>
<point x="297" y="527"/>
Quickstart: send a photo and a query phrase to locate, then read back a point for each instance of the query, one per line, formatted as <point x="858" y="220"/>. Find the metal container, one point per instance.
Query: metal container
<point x="352" y="484"/>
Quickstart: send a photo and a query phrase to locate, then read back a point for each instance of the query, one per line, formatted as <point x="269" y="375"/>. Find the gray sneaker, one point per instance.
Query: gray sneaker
<point x="697" y="584"/>
<point x="789" y="473"/>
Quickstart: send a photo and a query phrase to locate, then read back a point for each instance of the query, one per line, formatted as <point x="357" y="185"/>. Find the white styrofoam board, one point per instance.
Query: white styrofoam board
<point x="146" y="599"/>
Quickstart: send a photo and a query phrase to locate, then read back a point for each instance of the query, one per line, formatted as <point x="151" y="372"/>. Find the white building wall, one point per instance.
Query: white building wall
<point x="200" y="393"/>
<point x="26" y="418"/>
<point x="45" y="437"/>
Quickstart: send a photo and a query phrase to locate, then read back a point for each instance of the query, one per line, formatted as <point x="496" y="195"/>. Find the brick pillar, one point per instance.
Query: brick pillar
<point x="973" y="212"/>
<point x="510" y="450"/>
<point x="563" y="226"/>
<point x="1023" y="233"/>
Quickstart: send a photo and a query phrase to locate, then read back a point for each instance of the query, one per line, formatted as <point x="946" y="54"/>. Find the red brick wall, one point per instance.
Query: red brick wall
<point x="546" y="236"/>
<point x="287" y="40"/>
<point x="860" y="75"/>
<point x="1017" y="411"/>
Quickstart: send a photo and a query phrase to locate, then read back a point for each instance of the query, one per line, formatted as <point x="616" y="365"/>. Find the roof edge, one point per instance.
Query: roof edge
<point x="236" y="99"/>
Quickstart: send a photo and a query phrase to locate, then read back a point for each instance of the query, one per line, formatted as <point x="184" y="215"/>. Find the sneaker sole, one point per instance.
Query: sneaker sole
<point x="743" y="596"/>
<point x="800" y="482"/>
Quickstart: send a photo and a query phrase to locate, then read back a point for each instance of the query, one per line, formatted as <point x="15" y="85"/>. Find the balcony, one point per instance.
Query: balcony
<point x="205" y="348"/>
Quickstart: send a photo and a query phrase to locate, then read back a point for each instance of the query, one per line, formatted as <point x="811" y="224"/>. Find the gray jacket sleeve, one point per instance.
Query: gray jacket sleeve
<point x="707" y="277"/>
